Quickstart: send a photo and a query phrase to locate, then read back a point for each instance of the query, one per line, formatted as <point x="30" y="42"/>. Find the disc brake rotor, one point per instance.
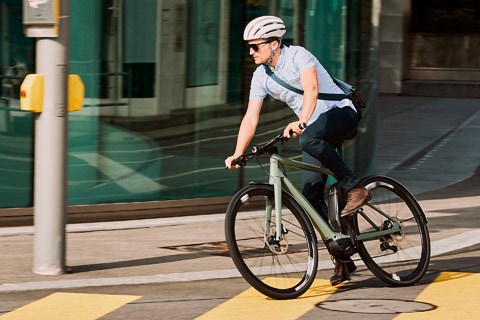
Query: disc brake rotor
<point x="275" y="246"/>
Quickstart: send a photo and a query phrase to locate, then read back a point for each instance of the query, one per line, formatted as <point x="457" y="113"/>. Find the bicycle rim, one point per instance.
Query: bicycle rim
<point x="400" y="258"/>
<point x="282" y="269"/>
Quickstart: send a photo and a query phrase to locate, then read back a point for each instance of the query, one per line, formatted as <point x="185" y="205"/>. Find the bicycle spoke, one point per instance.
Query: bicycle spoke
<point x="400" y="257"/>
<point x="267" y="263"/>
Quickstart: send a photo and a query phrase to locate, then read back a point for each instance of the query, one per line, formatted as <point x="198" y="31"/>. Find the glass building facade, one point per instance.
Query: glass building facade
<point x="166" y="86"/>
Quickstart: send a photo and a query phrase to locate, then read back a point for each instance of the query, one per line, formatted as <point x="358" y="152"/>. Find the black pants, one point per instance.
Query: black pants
<point x="317" y="142"/>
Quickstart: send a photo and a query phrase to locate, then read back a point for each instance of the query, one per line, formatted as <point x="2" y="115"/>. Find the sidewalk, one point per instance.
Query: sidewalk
<point x="426" y="143"/>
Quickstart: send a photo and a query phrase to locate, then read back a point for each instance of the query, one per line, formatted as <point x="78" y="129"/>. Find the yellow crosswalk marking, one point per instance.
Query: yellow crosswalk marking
<point x="456" y="295"/>
<point x="61" y="306"/>
<point x="251" y="304"/>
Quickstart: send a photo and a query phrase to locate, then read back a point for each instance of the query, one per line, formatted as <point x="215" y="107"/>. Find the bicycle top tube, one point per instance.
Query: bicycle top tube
<point x="286" y="162"/>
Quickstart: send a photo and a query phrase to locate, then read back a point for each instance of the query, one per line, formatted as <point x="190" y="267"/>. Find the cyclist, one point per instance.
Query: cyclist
<point x="327" y="122"/>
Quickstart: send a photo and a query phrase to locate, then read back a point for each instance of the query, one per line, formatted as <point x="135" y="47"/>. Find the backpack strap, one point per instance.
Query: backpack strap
<point x="321" y="96"/>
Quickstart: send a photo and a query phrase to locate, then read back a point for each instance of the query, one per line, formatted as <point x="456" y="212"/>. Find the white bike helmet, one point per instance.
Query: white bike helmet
<point x="264" y="27"/>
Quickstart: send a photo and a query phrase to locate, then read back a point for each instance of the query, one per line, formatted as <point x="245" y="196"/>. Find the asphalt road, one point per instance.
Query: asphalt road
<point x="363" y="297"/>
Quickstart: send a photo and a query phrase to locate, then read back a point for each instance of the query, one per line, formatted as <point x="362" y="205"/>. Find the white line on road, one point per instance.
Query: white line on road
<point x="442" y="246"/>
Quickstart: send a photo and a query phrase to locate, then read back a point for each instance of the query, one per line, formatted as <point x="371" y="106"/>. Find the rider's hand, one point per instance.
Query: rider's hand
<point x="228" y="162"/>
<point x="296" y="127"/>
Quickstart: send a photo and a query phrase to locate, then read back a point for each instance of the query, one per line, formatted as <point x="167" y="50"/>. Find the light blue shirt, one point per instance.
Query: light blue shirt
<point x="293" y="61"/>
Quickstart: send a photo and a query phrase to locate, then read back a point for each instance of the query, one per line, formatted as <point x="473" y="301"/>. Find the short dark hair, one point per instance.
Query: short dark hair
<point x="275" y="39"/>
<point x="279" y="40"/>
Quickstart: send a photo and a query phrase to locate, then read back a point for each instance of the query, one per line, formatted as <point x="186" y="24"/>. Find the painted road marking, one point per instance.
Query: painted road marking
<point x="456" y="295"/>
<point x="251" y="304"/>
<point x="453" y="295"/>
<point x="78" y="306"/>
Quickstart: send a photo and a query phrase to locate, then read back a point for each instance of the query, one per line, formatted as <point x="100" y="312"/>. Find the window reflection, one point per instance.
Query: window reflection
<point x="166" y="85"/>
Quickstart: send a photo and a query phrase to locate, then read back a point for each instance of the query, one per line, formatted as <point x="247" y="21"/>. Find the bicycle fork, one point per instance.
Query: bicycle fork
<point x="275" y="180"/>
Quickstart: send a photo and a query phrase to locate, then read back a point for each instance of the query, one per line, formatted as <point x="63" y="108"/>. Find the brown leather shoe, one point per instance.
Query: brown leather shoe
<point x="356" y="198"/>
<point x="342" y="271"/>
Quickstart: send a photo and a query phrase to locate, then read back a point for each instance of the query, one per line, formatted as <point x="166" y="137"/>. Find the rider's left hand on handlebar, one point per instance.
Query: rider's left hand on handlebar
<point x="294" y="129"/>
<point x="228" y="162"/>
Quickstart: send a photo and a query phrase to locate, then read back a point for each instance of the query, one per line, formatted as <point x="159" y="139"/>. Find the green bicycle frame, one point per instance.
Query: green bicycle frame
<point x="280" y="181"/>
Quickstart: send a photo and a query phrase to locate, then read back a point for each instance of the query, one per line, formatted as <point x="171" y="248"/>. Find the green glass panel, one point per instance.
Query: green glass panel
<point x="203" y="42"/>
<point x="131" y="143"/>
<point x="16" y="126"/>
<point x="325" y="34"/>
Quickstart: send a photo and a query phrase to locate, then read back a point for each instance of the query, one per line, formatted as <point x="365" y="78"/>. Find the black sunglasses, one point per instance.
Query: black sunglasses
<point x="254" y="46"/>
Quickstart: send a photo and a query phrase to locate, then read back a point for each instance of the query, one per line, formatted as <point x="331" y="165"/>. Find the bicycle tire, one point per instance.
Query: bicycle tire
<point x="398" y="259"/>
<point x="280" y="270"/>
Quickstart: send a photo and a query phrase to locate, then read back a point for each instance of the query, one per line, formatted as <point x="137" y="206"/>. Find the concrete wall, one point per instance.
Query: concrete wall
<point x="392" y="43"/>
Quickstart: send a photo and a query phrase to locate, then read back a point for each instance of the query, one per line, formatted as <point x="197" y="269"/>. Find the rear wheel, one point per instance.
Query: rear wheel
<point x="400" y="258"/>
<point x="282" y="267"/>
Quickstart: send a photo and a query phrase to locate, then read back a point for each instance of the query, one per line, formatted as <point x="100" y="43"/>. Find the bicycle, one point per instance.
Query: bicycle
<point x="270" y="230"/>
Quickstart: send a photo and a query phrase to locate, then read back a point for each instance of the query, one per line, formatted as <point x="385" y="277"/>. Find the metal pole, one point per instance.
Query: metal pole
<point x="50" y="151"/>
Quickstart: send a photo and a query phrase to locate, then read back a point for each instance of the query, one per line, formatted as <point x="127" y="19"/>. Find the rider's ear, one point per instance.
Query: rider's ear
<point x="275" y="44"/>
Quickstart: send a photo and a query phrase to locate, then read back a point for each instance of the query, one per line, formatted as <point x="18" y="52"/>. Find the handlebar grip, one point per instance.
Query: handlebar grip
<point x="241" y="161"/>
<point x="301" y="126"/>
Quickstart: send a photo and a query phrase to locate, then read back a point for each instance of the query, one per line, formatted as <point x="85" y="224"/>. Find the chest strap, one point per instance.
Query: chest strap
<point x="321" y="96"/>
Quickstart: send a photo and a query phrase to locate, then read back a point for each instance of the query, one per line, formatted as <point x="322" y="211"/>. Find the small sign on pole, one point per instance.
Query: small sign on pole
<point x="40" y="18"/>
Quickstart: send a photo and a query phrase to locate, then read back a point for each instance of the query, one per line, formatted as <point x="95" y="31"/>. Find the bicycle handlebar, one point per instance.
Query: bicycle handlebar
<point x="259" y="150"/>
<point x="267" y="147"/>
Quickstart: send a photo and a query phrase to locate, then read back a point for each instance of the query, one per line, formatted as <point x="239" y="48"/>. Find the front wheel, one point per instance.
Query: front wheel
<point x="279" y="266"/>
<point x="399" y="258"/>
